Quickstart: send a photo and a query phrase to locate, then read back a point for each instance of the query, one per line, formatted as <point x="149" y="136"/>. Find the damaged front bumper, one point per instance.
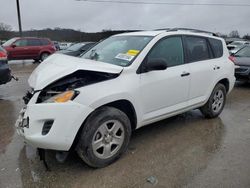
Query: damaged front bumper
<point x="51" y="125"/>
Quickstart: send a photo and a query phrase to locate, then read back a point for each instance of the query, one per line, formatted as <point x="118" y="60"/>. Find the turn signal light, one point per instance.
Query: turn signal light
<point x="64" y="97"/>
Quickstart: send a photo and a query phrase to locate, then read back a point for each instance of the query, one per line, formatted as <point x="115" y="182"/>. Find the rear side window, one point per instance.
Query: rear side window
<point x="197" y="49"/>
<point x="217" y="47"/>
<point x="34" y="42"/>
<point x="45" y="42"/>
<point x="169" y="49"/>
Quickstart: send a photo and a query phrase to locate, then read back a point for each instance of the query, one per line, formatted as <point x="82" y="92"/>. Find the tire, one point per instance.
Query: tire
<point x="99" y="144"/>
<point x="215" y="103"/>
<point x="44" y="55"/>
<point x="36" y="61"/>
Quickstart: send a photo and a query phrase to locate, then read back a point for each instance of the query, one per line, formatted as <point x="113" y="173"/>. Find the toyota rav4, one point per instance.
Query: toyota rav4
<point x="92" y="104"/>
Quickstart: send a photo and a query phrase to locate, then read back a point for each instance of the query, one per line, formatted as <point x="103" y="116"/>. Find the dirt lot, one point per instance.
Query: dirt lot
<point x="183" y="151"/>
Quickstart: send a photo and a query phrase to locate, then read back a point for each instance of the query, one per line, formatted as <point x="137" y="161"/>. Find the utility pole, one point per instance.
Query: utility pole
<point x="19" y="18"/>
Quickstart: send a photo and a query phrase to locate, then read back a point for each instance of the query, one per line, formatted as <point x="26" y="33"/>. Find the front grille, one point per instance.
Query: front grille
<point x="29" y="94"/>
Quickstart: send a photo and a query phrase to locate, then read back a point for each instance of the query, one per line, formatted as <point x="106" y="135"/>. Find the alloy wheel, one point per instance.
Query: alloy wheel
<point x="218" y="101"/>
<point x="108" y="139"/>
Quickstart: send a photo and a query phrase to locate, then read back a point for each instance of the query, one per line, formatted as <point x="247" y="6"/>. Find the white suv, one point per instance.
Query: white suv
<point x="92" y="103"/>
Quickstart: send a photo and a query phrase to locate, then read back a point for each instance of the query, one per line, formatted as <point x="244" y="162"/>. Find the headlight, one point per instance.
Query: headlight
<point x="63" y="97"/>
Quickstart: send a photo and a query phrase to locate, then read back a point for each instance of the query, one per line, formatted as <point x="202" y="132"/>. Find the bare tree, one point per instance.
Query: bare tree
<point x="234" y="34"/>
<point x="5" y="27"/>
<point x="247" y="37"/>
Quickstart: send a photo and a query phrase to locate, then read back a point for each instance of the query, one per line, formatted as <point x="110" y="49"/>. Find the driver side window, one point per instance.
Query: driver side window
<point x="170" y="50"/>
<point x="21" y="42"/>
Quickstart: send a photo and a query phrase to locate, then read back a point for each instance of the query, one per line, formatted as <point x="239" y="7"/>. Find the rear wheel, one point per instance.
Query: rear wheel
<point x="36" y="61"/>
<point x="104" y="138"/>
<point x="215" y="103"/>
<point x="44" y="56"/>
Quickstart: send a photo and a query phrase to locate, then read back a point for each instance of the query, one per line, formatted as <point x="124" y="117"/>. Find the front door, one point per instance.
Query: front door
<point x="165" y="91"/>
<point x="19" y="50"/>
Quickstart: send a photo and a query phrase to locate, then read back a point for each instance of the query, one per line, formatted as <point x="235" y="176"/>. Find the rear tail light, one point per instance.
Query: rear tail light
<point x="232" y="58"/>
<point x="53" y="47"/>
<point x="3" y="56"/>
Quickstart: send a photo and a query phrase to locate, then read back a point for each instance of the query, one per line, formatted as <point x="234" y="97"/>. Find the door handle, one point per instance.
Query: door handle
<point x="185" y="74"/>
<point x="216" y="67"/>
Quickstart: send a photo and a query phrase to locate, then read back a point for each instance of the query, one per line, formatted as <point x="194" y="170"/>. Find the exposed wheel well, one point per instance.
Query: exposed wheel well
<point x="123" y="105"/>
<point x="126" y="107"/>
<point x="225" y="82"/>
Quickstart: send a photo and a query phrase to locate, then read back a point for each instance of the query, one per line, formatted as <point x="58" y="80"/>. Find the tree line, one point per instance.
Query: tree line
<point x="59" y="34"/>
<point x="70" y="35"/>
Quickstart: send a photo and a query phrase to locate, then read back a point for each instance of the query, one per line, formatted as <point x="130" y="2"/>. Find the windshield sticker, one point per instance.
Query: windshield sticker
<point x="133" y="52"/>
<point x="125" y="57"/>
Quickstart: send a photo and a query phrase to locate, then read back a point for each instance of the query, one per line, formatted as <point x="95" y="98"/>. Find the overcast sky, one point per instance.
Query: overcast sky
<point x="86" y="16"/>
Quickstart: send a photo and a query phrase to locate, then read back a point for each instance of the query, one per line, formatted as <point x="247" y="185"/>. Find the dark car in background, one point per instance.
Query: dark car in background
<point x="56" y="44"/>
<point x="77" y="49"/>
<point x="242" y="61"/>
<point x="29" y="48"/>
<point x="5" y="73"/>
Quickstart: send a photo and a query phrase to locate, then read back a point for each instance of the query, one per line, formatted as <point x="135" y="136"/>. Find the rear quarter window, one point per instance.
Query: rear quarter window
<point x="45" y="42"/>
<point x="217" y="47"/>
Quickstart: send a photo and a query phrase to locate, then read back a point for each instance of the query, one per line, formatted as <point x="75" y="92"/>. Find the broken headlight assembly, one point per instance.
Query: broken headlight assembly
<point x="62" y="97"/>
<point x="64" y="89"/>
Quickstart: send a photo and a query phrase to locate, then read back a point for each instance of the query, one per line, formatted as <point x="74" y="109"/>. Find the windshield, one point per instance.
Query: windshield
<point x="244" y="52"/>
<point x="9" y="42"/>
<point x="75" y="47"/>
<point x="118" y="50"/>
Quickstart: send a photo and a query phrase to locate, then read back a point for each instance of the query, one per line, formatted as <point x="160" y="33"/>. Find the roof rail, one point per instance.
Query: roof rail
<point x="163" y="29"/>
<point x="192" y="30"/>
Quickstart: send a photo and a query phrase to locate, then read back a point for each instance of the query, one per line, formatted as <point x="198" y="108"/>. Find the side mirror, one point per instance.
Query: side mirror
<point x="156" y="64"/>
<point x="13" y="45"/>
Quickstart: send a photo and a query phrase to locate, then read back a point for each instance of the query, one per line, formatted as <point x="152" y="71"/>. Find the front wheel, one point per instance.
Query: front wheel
<point x="104" y="138"/>
<point x="215" y="103"/>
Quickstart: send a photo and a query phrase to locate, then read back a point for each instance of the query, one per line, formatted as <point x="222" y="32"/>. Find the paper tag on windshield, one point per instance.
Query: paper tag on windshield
<point x="125" y="57"/>
<point x="133" y="52"/>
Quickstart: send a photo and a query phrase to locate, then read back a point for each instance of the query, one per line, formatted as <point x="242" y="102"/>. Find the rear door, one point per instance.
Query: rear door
<point x="34" y="47"/>
<point x="202" y="68"/>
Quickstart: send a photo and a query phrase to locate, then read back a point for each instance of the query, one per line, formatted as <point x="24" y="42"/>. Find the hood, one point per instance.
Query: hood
<point x="242" y="61"/>
<point x="58" y="65"/>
